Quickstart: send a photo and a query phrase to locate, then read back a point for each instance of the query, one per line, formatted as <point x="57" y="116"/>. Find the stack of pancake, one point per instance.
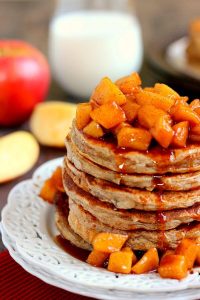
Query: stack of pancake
<point x="153" y="196"/>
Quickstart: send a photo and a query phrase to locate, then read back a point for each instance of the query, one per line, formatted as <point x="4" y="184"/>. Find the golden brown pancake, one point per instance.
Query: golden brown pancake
<point x="129" y="219"/>
<point x="61" y="220"/>
<point x="154" y="161"/>
<point x="128" y="198"/>
<point x="87" y="226"/>
<point x="171" y="182"/>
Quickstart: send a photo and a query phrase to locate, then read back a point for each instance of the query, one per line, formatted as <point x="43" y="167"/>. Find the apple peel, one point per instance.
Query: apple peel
<point x="50" y="122"/>
<point x="19" y="152"/>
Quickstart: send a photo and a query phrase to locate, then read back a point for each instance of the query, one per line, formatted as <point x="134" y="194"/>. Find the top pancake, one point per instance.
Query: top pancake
<point x="154" y="161"/>
<point x="169" y="182"/>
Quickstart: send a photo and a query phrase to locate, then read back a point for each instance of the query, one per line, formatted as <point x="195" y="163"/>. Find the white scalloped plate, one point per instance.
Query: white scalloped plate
<point x="29" y="222"/>
<point x="49" y="278"/>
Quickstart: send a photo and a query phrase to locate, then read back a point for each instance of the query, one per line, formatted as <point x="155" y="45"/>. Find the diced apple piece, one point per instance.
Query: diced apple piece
<point x="148" y="115"/>
<point x="50" y="122"/>
<point x="120" y="262"/>
<point x="180" y="134"/>
<point x="109" y="242"/>
<point x="173" y="266"/>
<point x="149" y="89"/>
<point x="179" y="101"/>
<point x="189" y="249"/>
<point x="94" y="104"/>
<point x="97" y="258"/>
<point x="48" y="191"/>
<point x="57" y="179"/>
<point x="147" y="263"/>
<point x="131" y="110"/>
<point x="159" y="101"/>
<point x="194" y="138"/>
<point x="83" y="115"/>
<point x="52" y="185"/>
<point x="108" y="115"/>
<point x="195" y="129"/>
<point x="106" y="91"/>
<point x="116" y="129"/>
<point x="185" y="113"/>
<point x="198" y="256"/>
<point x="93" y="129"/>
<point x="134" y="138"/>
<point x="168" y="252"/>
<point x="131" y="97"/>
<point x="166" y="91"/>
<point x="128" y="249"/>
<point x="162" y="131"/>
<point x="19" y="152"/>
<point x="129" y="84"/>
<point x="195" y="105"/>
<point x="194" y="134"/>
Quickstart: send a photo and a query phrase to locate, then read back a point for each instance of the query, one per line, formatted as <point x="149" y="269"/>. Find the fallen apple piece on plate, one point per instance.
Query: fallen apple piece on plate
<point x="19" y="152"/>
<point x="51" y="121"/>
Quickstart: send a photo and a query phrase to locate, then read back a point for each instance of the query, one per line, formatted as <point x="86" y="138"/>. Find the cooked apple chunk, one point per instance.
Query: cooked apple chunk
<point x="134" y="138"/>
<point x="129" y="84"/>
<point x="162" y="131"/>
<point x="106" y="91"/>
<point x="116" y="129"/>
<point x="57" y="179"/>
<point x="184" y="113"/>
<point x="108" y="115"/>
<point x="83" y="115"/>
<point x="194" y="138"/>
<point x="173" y="266"/>
<point x="97" y="258"/>
<point x="194" y="134"/>
<point x="166" y="91"/>
<point x="147" y="263"/>
<point x="157" y="100"/>
<point x="131" y="109"/>
<point x="93" y="129"/>
<point x="128" y="249"/>
<point x="120" y="262"/>
<point x="189" y="249"/>
<point x="195" y="105"/>
<point x="180" y="134"/>
<point x="109" y="242"/>
<point x="48" y="191"/>
<point x="148" y="115"/>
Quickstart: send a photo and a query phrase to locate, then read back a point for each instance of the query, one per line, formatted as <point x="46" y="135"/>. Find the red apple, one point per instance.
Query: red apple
<point x="24" y="80"/>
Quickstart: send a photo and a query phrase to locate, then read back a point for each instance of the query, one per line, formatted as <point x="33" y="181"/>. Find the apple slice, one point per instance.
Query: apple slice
<point x="50" y="122"/>
<point x="19" y="152"/>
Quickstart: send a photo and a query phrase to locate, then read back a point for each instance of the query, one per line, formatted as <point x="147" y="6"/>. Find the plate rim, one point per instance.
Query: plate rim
<point x="25" y="265"/>
<point x="71" y="279"/>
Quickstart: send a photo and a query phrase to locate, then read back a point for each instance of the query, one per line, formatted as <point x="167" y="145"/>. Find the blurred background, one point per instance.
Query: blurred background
<point x="161" y="22"/>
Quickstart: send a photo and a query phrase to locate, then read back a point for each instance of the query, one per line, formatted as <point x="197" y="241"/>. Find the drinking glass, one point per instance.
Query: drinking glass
<point x="91" y="39"/>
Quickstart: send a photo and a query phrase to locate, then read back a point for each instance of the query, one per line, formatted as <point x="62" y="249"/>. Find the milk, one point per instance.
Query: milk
<point x="88" y="45"/>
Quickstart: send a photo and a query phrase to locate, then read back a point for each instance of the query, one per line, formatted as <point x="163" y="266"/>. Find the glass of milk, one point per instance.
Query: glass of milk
<point x="92" y="39"/>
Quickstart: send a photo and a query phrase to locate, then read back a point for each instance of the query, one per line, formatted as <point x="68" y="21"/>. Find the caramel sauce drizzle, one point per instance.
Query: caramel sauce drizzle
<point x="71" y="249"/>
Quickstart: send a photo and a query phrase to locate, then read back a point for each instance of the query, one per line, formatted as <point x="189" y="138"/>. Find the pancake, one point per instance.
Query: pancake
<point x="128" y="219"/>
<point x="177" y="182"/>
<point x="61" y="220"/>
<point x="87" y="226"/>
<point x="129" y="198"/>
<point x="154" y="161"/>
